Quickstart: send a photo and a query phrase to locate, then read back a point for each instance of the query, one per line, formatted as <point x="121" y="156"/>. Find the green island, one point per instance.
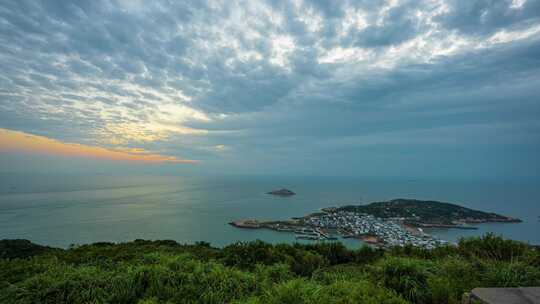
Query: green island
<point x="150" y="272"/>
<point x="421" y="213"/>
<point x="282" y="192"/>
<point x="396" y="222"/>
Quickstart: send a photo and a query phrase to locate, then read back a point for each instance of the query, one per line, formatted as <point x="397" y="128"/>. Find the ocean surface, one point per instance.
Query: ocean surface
<point x="59" y="210"/>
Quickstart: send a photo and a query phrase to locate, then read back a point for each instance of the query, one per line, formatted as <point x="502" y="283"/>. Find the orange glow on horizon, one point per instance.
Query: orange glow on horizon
<point x="15" y="141"/>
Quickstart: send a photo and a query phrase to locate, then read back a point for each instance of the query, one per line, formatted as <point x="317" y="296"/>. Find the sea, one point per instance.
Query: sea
<point x="66" y="209"/>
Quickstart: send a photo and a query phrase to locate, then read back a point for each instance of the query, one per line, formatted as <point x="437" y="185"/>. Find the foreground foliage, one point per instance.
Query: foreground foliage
<point x="257" y="272"/>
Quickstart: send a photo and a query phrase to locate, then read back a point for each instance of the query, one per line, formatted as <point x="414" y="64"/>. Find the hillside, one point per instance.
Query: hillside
<point x="427" y="212"/>
<point x="257" y="272"/>
<point x="21" y="249"/>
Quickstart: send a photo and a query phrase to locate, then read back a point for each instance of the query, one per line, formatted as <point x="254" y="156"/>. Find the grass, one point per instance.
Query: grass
<point x="257" y="272"/>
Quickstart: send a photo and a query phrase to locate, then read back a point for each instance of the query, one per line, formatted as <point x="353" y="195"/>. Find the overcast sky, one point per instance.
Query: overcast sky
<point x="445" y="88"/>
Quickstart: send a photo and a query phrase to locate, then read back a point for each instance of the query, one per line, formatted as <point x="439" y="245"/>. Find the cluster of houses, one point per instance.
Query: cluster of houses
<point x="389" y="232"/>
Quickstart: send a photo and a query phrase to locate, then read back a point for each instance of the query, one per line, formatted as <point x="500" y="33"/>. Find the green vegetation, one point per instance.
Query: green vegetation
<point x="427" y="212"/>
<point x="257" y="272"/>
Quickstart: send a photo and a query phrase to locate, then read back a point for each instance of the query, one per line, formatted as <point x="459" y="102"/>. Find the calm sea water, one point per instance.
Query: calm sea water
<point x="60" y="210"/>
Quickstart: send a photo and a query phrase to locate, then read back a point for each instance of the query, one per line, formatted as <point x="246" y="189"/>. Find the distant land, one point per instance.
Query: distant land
<point x="421" y="213"/>
<point x="282" y="192"/>
<point x="396" y="222"/>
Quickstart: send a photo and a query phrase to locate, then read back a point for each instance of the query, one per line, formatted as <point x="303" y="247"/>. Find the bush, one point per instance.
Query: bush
<point x="348" y="272"/>
<point x="301" y="291"/>
<point x="453" y="276"/>
<point x="492" y="247"/>
<point x="408" y="277"/>
<point x="152" y="272"/>
<point x="247" y="255"/>
<point x="512" y="274"/>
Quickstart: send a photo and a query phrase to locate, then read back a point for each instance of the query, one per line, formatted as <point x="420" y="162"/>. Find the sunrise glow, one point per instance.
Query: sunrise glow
<point x="15" y="141"/>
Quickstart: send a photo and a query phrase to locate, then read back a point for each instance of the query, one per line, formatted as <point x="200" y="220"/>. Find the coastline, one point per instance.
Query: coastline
<point x="157" y="218"/>
<point x="376" y="231"/>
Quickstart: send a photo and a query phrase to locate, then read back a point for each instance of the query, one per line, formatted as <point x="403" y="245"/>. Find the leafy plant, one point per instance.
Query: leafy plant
<point x="150" y="272"/>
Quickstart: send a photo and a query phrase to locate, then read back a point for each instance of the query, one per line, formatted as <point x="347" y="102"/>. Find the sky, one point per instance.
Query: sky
<point x="435" y="88"/>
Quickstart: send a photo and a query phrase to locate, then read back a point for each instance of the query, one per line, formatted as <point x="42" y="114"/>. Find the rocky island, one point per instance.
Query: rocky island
<point x="383" y="224"/>
<point x="282" y="192"/>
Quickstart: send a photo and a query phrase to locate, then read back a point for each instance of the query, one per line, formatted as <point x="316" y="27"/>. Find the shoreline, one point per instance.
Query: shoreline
<point x="393" y="230"/>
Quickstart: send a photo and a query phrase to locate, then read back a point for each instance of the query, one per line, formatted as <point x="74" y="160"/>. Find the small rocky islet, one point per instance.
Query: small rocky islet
<point x="282" y="192"/>
<point x="396" y="222"/>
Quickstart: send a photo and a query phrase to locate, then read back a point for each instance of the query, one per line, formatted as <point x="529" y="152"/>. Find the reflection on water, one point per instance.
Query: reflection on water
<point x="60" y="210"/>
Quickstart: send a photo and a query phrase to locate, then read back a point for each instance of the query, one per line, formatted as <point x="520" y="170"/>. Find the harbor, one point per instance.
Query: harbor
<point x="373" y="230"/>
<point x="396" y="222"/>
<point x="332" y="224"/>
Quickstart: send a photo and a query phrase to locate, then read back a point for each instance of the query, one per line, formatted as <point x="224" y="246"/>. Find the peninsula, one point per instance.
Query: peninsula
<point x="384" y="224"/>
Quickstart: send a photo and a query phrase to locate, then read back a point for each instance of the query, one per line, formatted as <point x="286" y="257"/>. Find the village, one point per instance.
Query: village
<point x="382" y="232"/>
<point x="330" y="223"/>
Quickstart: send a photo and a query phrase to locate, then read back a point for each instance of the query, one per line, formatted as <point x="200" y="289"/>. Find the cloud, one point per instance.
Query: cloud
<point x="485" y="17"/>
<point x="395" y="25"/>
<point x="14" y="141"/>
<point x="274" y="85"/>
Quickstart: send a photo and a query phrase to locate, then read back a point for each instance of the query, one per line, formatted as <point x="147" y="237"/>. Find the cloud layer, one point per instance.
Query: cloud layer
<point x="292" y="87"/>
<point x="19" y="142"/>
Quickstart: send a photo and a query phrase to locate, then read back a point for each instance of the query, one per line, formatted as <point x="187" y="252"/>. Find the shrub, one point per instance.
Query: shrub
<point x="247" y="255"/>
<point x="513" y="274"/>
<point x="301" y="291"/>
<point x="451" y="278"/>
<point x="152" y="272"/>
<point x="348" y="272"/>
<point x="492" y="247"/>
<point x="408" y="277"/>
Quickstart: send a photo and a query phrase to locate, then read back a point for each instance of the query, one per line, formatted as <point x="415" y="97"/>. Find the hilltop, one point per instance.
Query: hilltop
<point x="427" y="213"/>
